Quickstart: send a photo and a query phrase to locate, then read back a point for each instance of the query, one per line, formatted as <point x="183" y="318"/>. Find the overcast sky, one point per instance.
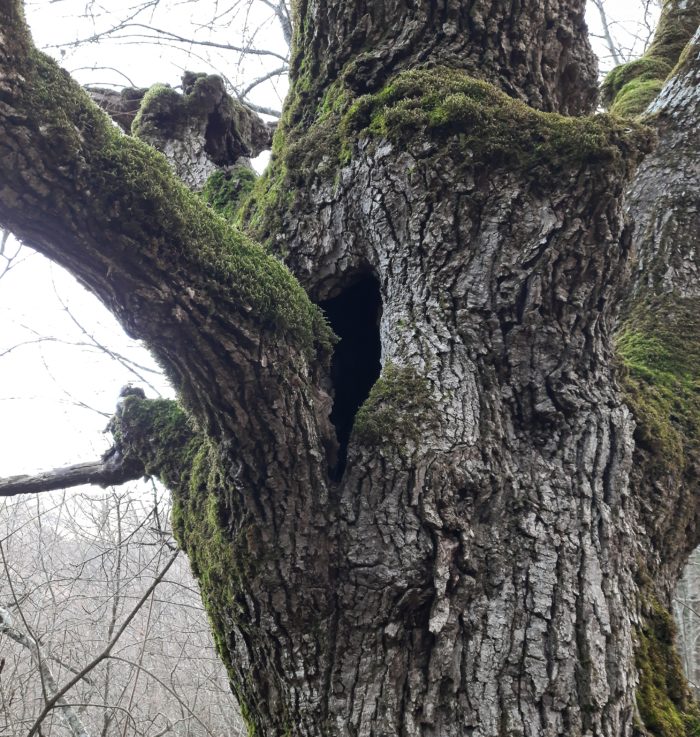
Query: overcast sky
<point x="56" y="394"/>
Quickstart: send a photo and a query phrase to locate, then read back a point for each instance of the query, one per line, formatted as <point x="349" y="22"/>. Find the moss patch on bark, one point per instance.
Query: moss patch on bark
<point x="222" y="550"/>
<point x="132" y="184"/>
<point x="398" y="406"/>
<point x="437" y="105"/>
<point x="663" y="700"/>
<point x="492" y="128"/>
<point x="659" y="347"/>
<point x="159" y="434"/>
<point x="226" y="190"/>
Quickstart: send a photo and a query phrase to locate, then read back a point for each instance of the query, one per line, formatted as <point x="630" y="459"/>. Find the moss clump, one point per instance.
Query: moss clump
<point x="647" y="68"/>
<point x="635" y="97"/>
<point x="630" y="88"/>
<point x="492" y="128"/>
<point x="226" y="190"/>
<point x="659" y="347"/>
<point x="157" y="433"/>
<point x="159" y="105"/>
<point x="224" y="549"/>
<point x="398" y="406"/>
<point x="663" y="701"/>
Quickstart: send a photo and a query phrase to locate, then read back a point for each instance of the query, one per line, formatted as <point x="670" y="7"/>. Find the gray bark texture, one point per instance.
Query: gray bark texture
<point x="488" y="544"/>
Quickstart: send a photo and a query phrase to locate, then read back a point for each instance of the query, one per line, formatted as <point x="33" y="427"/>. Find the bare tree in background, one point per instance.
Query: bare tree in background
<point x="624" y="37"/>
<point x="245" y="41"/>
<point x="76" y="569"/>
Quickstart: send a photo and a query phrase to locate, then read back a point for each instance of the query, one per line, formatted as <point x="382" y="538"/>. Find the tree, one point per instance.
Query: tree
<point x="483" y="538"/>
<point x="93" y="593"/>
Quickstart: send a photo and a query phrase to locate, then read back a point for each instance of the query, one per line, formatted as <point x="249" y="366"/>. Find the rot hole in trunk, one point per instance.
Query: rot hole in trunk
<point x="354" y="317"/>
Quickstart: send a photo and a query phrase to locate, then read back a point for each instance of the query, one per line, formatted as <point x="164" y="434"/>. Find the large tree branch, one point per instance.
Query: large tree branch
<point x="235" y="332"/>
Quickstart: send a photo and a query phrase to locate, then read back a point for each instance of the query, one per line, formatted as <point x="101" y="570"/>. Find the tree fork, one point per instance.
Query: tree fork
<point x="481" y="566"/>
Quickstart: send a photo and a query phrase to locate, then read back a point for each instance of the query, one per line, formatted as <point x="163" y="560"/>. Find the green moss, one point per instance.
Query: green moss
<point x="397" y="408"/>
<point x="445" y="106"/>
<point x="225" y="191"/>
<point x="225" y="553"/>
<point x="663" y="701"/>
<point x="492" y="129"/>
<point x="158" y="433"/>
<point x="645" y="69"/>
<point x="677" y="24"/>
<point x="635" y="97"/>
<point x="659" y="347"/>
<point x="222" y="544"/>
<point x="271" y="196"/>
<point x="132" y="185"/>
<point x="301" y="148"/>
<point x="160" y="103"/>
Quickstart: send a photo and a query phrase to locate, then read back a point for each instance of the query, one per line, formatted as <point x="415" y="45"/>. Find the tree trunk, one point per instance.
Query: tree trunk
<point x="474" y="549"/>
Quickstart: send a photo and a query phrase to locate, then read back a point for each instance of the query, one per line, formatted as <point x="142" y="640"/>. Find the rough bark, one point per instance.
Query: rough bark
<point x="121" y="106"/>
<point x="660" y="328"/>
<point x="485" y="586"/>
<point x="481" y="557"/>
<point x="537" y="52"/>
<point x="99" y="473"/>
<point x="202" y="130"/>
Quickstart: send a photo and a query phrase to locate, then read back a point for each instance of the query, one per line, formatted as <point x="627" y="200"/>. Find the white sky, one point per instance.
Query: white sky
<point x="55" y="397"/>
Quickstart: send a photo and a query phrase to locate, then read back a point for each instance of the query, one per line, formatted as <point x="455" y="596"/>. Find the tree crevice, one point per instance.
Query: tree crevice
<point x="354" y="316"/>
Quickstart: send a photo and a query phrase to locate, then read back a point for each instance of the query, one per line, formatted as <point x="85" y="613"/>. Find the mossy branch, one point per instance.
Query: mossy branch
<point x="215" y="309"/>
<point x="630" y="88"/>
<point x="439" y="104"/>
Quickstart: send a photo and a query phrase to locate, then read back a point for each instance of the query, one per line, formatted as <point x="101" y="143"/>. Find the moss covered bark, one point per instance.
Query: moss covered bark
<point x="659" y="345"/>
<point x="493" y="130"/>
<point x="226" y="191"/>
<point x="399" y="406"/>
<point x="630" y="88"/>
<point x="474" y="568"/>
<point x="665" y="706"/>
